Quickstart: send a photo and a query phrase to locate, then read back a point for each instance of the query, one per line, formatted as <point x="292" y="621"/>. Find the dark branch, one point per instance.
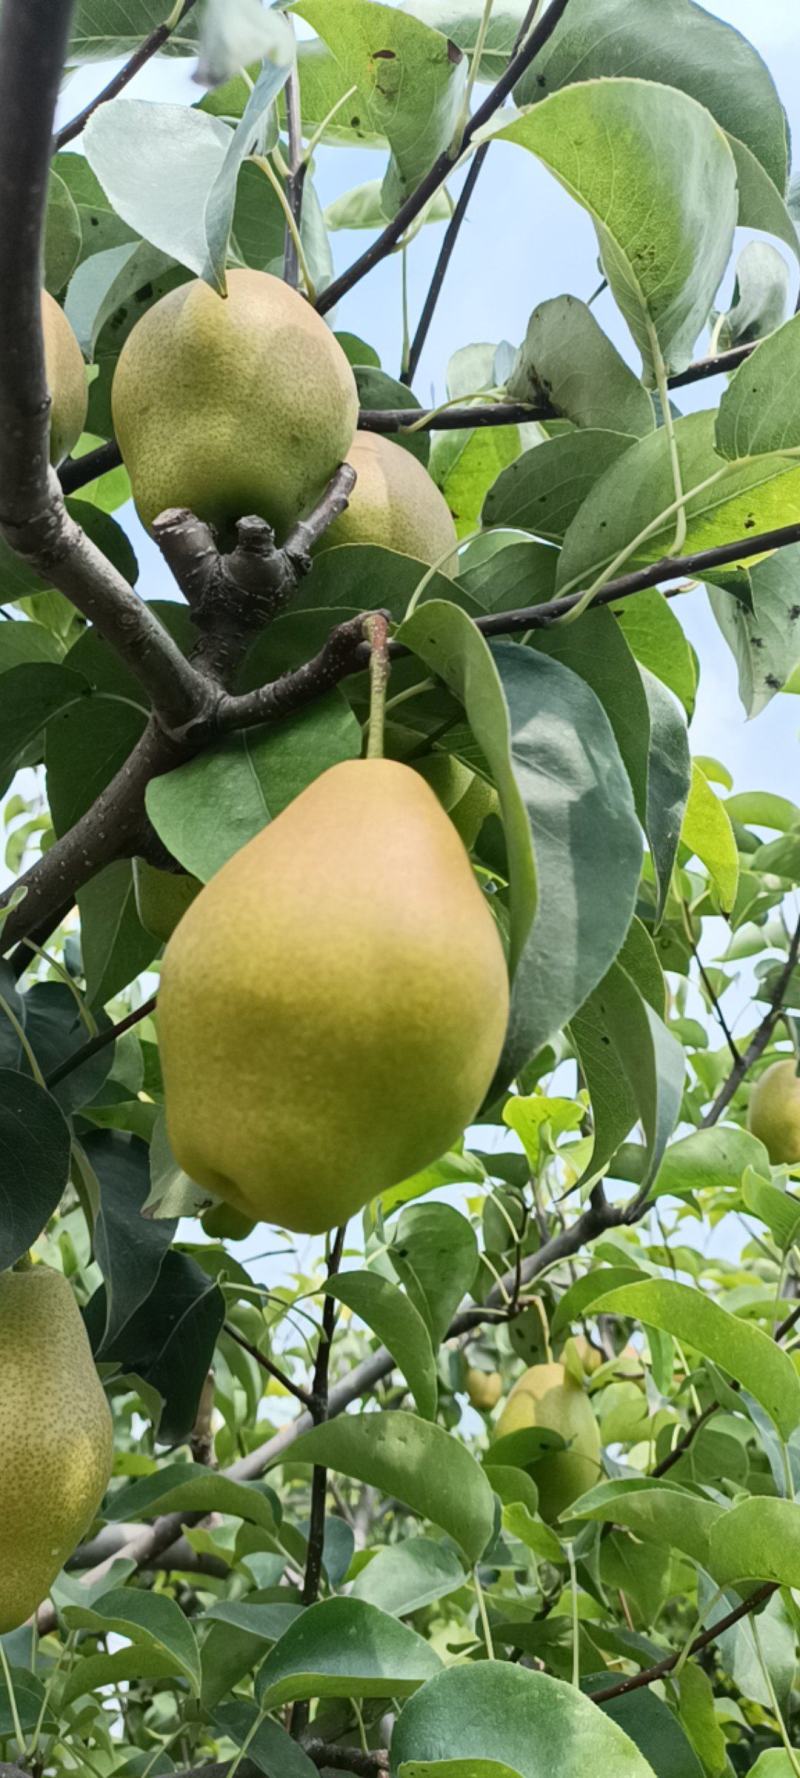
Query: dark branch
<point x="348" y="1759"/>
<point x="273" y="1370"/>
<point x="120" y="80"/>
<point x="344" y="653"/>
<point x="442" y="264"/>
<point x="649" y="1675"/>
<point x="78" y="471"/>
<point x="100" y="1042"/>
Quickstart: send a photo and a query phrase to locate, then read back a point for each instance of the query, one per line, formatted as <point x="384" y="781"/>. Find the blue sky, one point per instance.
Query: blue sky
<point x="524" y="240"/>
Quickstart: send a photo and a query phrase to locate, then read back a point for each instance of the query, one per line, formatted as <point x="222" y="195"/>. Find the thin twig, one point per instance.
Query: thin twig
<point x="440" y="270"/>
<point x="273" y="1370"/>
<point x="348" y="1759"/>
<point x="117" y="84"/>
<point x="100" y="1042"/>
<point x="760" y="1038"/>
<point x="649" y="1675"/>
<point x="297" y="170"/>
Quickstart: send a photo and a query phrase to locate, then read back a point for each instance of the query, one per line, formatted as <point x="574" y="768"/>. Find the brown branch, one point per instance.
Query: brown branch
<point x="344" y="653"/>
<point x="760" y="1038"/>
<point x="100" y="1042"/>
<point x="649" y="1675"/>
<point x="348" y="1759"/>
<point x="442" y="264"/>
<point x="273" y="1370"/>
<point x="141" y="56"/>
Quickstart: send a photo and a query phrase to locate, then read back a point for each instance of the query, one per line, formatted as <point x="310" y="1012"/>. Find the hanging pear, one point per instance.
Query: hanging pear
<point x="66" y="380"/>
<point x="547" y="1395"/>
<point x="395" y="503"/>
<point x="333" y="1003"/>
<point x="57" y="1437"/>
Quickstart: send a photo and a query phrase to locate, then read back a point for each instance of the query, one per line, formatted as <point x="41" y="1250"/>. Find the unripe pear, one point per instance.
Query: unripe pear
<point x="224" y="1223"/>
<point x="484" y="1388"/>
<point x="66" y="380"/>
<point x="57" y="1437"/>
<point x="395" y="503"/>
<point x="547" y="1396"/>
<point x="590" y="1358"/>
<point x="333" y="1004"/>
<point x="162" y="897"/>
<point x="232" y="406"/>
<point x="773" y="1113"/>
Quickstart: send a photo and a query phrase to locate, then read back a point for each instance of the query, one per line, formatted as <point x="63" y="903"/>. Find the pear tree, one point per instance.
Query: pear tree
<point x="399" y="1091"/>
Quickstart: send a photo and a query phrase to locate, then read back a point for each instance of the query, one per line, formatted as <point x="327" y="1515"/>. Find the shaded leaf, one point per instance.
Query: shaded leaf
<point x="398" y="1324"/>
<point x="34" y="1162"/>
<point x="344" y="1648"/>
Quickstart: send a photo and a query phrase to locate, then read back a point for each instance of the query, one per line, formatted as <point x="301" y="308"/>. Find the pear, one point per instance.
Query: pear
<point x="333" y="1004"/>
<point x="66" y="380"/>
<point x="57" y="1437"/>
<point x="773" y="1113"/>
<point x="395" y="503"/>
<point x="223" y="1223"/>
<point x="162" y="897"/>
<point x="547" y="1395"/>
<point x="484" y="1388"/>
<point x="232" y="405"/>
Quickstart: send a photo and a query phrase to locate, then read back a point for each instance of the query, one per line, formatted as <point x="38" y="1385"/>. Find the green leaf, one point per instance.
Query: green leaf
<point x="759" y="1539"/>
<point x="656" y="1731"/>
<point x="32" y="694"/>
<point x="158" y="165"/>
<point x="55" y="1027"/>
<point x="597" y="650"/>
<point x="498" y="1711"/>
<point x="655" y="636"/>
<point x="710" y="1158"/>
<point x="210" y="807"/>
<point x="451" y="1169"/>
<point x="362" y="207"/>
<point x="410" y="83"/>
<point x="460" y="21"/>
<point x="145" y="1618"/>
<point x="678" y="44"/>
<point x="416" y="1461"/>
<point x="233" y="36"/>
<point x="169" y="1342"/>
<point x="760" y="296"/>
<point x="398" y="1324"/>
<point x="128" y="1247"/>
<point x="265" y="1623"/>
<point x="543" y="490"/>
<point x="35" y="1146"/>
<point x="465" y="464"/>
<point x="669" y="773"/>
<point x="764" y="642"/>
<point x="62" y="236"/>
<point x="27" y="644"/>
<point x="763" y="809"/>
<point x="707" y="832"/>
<point x="656" y="1509"/>
<point x="760" y="409"/>
<point x="115" y="946"/>
<point x="632" y="501"/>
<point x="659" y="181"/>
<point x="536" y="1116"/>
<point x="269" y="1747"/>
<point x="449" y="644"/>
<point x="189" y="1487"/>
<point x="566" y="359"/>
<point x="101" y="228"/>
<point x="740" y="1349"/>
<point x="435" y="1254"/>
<point x="586" y="839"/>
<point x="761" y="204"/>
<point x="88" y="740"/>
<point x="586" y="1291"/>
<point x="780" y="1210"/>
<point x="138" y="1661"/>
<point x="118" y="26"/>
<point x="456" y="1768"/>
<point x="403" y="1577"/>
<point x="344" y="1648"/>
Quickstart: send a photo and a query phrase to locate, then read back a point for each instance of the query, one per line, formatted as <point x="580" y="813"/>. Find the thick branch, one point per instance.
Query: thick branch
<point x="340" y="657"/>
<point x="121" y="79"/>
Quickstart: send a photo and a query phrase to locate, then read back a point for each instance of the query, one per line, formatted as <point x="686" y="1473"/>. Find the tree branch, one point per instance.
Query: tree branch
<point x="121" y="79"/>
<point x="443" y="167"/>
<point x="649" y="1675"/>
<point x="344" y="653"/>
<point x="760" y="1038"/>
<point x="348" y="1759"/>
<point x="446" y="251"/>
<point x="319" y="1414"/>
<point x="273" y="1370"/>
<point x="100" y="1042"/>
<point x="297" y="171"/>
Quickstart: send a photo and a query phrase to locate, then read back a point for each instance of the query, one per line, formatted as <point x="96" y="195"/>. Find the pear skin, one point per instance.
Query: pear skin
<point x="546" y="1395"/>
<point x="66" y="380"/>
<point x="333" y="1004"/>
<point x="232" y="406"/>
<point x="773" y="1114"/>
<point x="395" y="503"/>
<point x="57" y="1437"/>
<point x="484" y="1388"/>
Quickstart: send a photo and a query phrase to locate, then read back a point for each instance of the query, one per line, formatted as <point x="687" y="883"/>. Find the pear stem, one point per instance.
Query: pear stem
<point x="376" y="629"/>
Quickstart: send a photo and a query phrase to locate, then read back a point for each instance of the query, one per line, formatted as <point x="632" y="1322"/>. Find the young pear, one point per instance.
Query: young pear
<point x="395" y="502"/>
<point x="57" y="1437"/>
<point x="232" y="405"/>
<point x="66" y="380"/>
<point x="547" y="1395"/>
<point x="773" y="1113"/>
<point x="333" y="1004"/>
<point x="484" y="1388"/>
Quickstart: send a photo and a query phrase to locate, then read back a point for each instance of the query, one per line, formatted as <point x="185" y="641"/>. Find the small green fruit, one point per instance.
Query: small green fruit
<point x="484" y="1388"/>
<point x="232" y="405"/>
<point x="547" y="1396"/>
<point x="162" y="897"/>
<point x="224" y="1223"/>
<point x="66" y="380"/>
<point x="773" y="1114"/>
<point x="395" y="503"/>
<point x="57" y="1437"/>
<point x="333" y="1004"/>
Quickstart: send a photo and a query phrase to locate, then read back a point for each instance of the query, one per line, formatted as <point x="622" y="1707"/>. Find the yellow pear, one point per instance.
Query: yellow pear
<point x="395" y="503"/>
<point x="333" y="1004"/>
<point x="547" y="1396"/>
<point x="591" y="1359"/>
<point x="773" y="1113"/>
<point x="232" y="405"/>
<point x="66" y="380"/>
<point x="162" y="897"/>
<point x="57" y="1438"/>
<point x="484" y="1388"/>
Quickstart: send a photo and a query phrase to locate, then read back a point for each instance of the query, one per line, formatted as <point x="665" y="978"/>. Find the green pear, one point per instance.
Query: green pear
<point x="333" y="1004"/>
<point x="773" y="1113"/>
<point x="395" y="502"/>
<point x="162" y="897"/>
<point x="66" y="380"/>
<point x="484" y="1388"/>
<point x="232" y="405"/>
<point x="223" y="1223"/>
<point x="548" y="1396"/>
<point x="57" y="1437"/>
